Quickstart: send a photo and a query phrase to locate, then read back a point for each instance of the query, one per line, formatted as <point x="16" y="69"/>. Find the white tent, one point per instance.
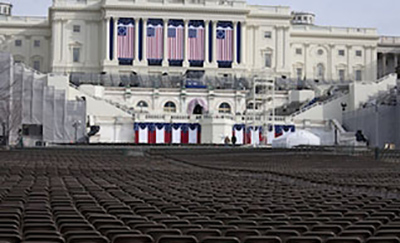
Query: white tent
<point x="300" y="137"/>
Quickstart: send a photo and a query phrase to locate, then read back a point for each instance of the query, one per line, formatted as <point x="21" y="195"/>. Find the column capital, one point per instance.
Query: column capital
<point x="207" y="21"/>
<point x="186" y="21"/>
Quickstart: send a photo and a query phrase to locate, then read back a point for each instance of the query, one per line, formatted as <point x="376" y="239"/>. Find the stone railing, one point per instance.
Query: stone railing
<point x="389" y="40"/>
<point x="169" y="118"/>
<point x="335" y="30"/>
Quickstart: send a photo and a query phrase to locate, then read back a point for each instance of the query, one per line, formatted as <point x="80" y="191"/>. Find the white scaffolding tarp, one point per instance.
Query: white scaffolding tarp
<point x="48" y="114"/>
<point x="59" y="116"/>
<point x="75" y="125"/>
<point x="27" y="97"/>
<point x="37" y="100"/>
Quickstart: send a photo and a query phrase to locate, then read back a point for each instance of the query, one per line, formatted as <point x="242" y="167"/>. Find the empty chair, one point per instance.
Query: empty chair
<point x="82" y="239"/>
<point x="327" y="228"/>
<point x="132" y="239"/>
<point x="157" y="233"/>
<point x="383" y="239"/>
<point x="201" y="234"/>
<point x="177" y="239"/>
<point x="362" y="234"/>
<point x="282" y="234"/>
<point x="220" y="240"/>
<point x="304" y="239"/>
<point x="241" y="234"/>
<point x="322" y="235"/>
<point x="262" y="239"/>
<point x="344" y="240"/>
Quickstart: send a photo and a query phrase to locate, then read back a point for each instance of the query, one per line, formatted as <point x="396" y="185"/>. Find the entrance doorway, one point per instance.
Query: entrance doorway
<point x="198" y="110"/>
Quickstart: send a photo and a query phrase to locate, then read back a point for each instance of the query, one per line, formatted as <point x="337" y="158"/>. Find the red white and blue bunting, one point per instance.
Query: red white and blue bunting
<point x="251" y="135"/>
<point x="166" y="133"/>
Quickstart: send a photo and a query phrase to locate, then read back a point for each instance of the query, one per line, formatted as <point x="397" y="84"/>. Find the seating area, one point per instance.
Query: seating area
<point x="195" y="196"/>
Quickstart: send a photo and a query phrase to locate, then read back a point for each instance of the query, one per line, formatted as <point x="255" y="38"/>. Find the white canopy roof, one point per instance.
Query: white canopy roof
<point x="299" y="137"/>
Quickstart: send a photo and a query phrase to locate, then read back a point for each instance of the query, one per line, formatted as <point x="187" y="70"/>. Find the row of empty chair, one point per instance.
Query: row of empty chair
<point x="105" y="195"/>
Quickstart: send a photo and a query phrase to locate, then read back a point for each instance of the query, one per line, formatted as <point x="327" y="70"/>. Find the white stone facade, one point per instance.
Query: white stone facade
<point x="295" y="49"/>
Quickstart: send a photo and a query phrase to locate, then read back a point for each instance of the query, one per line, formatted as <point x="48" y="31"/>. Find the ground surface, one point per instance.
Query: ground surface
<point x="189" y="196"/>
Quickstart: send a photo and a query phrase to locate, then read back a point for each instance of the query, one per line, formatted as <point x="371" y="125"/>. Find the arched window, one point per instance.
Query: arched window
<point x="224" y="108"/>
<point x="142" y="104"/>
<point x="170" y="107"/>
<point x="320" y="71"/>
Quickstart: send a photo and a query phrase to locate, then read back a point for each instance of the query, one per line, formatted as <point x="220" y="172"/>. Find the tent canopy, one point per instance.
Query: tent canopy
<point x="300" y="137"/>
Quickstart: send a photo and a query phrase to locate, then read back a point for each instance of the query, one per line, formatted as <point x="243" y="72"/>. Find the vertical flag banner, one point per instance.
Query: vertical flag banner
<point x="160" y="133"/>
<point x="224" y="35"/>
<point x="176" y="37"/>
<point x="176" y="133"/>
<point x="239" y="133"/>
<point x="143" y="133"/>
<point x="126" y="40"/>
<point x="196" y="41"/>
<point x="155" y="40"/>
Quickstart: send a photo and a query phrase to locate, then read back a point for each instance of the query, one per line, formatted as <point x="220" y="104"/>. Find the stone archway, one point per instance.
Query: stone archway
<point x="197" y="106"/>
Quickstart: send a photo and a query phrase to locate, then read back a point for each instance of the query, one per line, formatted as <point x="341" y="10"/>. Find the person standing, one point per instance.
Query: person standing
<point x="234" y="140"/>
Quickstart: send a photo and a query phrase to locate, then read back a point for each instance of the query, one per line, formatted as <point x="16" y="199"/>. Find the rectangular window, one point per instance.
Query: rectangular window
<point x="268" y="61"/>
<point x="18" y="42"/>
<point x="76" y="54"/>
<point x="77" y="28"/>
<point x="36" y="43"/>
<point x="36" y="65"/>
<point x="299" y="51"/>
<point x="341" y="53"/>
<point x="358" y="75"/>
<point x="299" y="72"/>
<point x="358" y="53"/>
<point x="267" y="34"/>
<point x="342" y="74"/>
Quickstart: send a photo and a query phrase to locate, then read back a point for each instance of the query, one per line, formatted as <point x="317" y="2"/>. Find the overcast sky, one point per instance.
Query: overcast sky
<point x="381" y="14"/>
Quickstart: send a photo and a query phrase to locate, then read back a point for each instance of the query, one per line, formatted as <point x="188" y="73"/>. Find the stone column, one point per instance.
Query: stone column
<point x="305" y="71"/>
<point x="136" y="59"/>
<point x="243" y="34"/>
<point x="107" y="39"/>
<point x="349" y="54"/>
<point x="206" y="40"/>
<point x="257" y="55"/>
<point x="64" y="46"/>
<point x="56" y="41"/>
<point x="330" y="68"/>
<point x="115" y="52"/>
<point x="214" y="41"/>
<point x="279" y="51"/>
<point x="383" y="64"/>
<point x="185" y="43"/>
<point x="144" y="41"/>
<point x="165" y="45"/>
<point x="235" y="47"/>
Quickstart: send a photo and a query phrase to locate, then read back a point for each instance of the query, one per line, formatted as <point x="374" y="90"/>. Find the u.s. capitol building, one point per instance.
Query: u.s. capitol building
<point x="154" y="62"/>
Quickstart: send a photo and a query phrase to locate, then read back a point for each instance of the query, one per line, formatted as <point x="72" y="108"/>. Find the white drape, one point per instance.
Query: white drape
<point x="160" y="135"/>
<point x="193" y="135"/>
<point x="143" y="135"/>
<point x="255" y="137"/>
<point x="176" y="135"/>
<point x="270" y="137"/>
<point x="239" y="136"/>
